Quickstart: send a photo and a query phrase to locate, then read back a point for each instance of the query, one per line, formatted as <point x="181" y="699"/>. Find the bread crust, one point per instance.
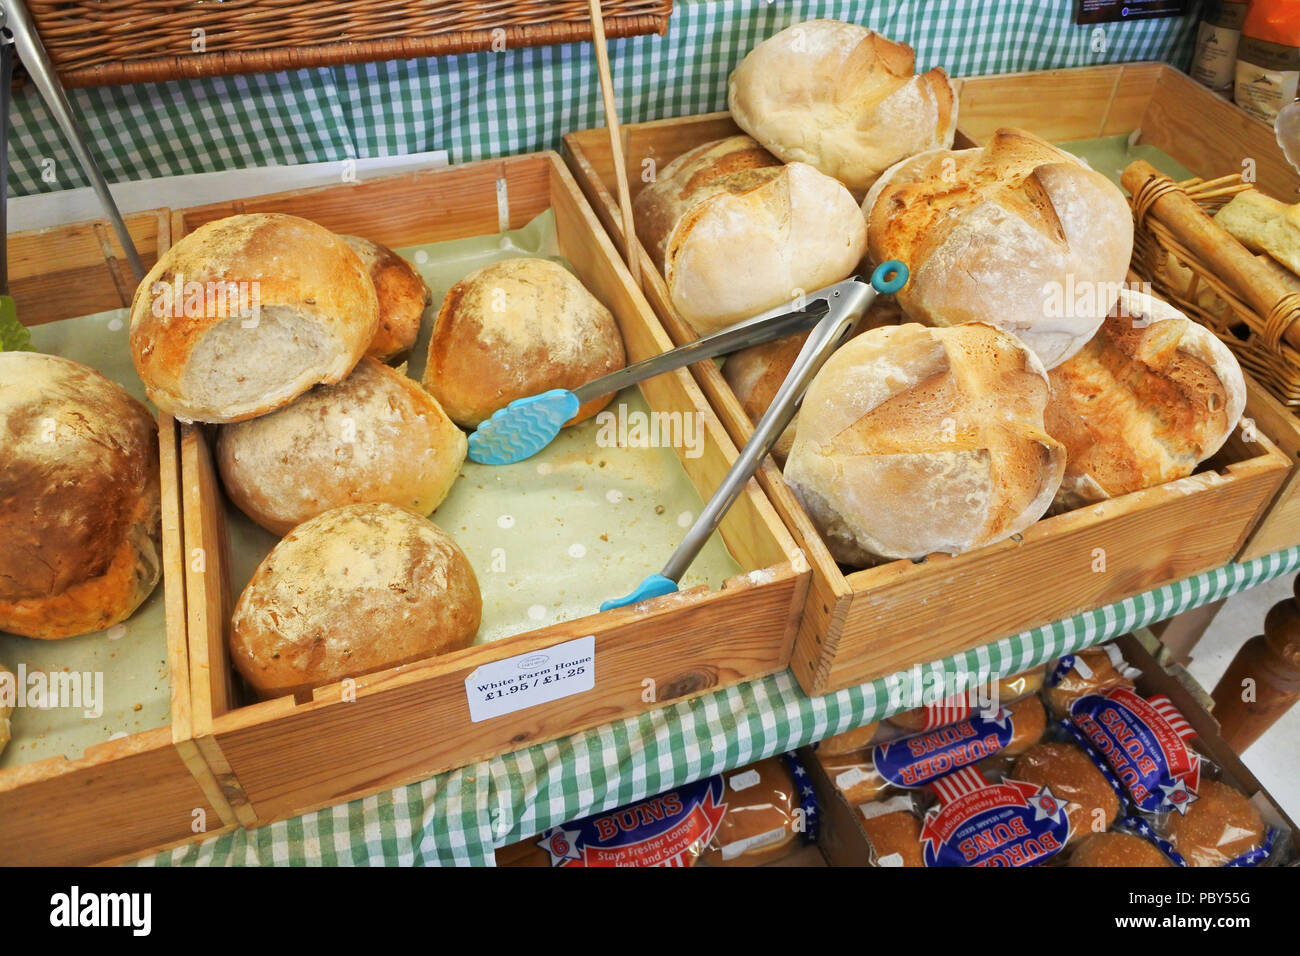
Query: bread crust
<point x="841" y="98"/>
<point x="80" y="510"/>
<point x="515" y="328"/>
<point x="401" y="293"/>
<point x="375" y="436"/>
<point x="354" y="590"/>
<point x="317" y="313"/>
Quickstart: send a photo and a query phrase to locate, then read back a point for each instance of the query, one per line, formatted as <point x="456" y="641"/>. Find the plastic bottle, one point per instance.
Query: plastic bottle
<point x="1215" y="62"/>
<point x="1268" y="57"/>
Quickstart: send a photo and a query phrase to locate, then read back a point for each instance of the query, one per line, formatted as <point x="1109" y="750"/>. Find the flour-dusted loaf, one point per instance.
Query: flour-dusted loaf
<point x="515" y="328"/>
<point x="375" y="436"/>
<point x="246" y="313"/>
<point x="841" y="98"/>
<point x="1150" y="397"/>
<point x="914" y="440"/>
<point x="351" y="591"/>
<point x="735" y="232"/>
<point x="1018" y="234"/>
<point x="402" y="297"/>
<point x="80" y="531"/>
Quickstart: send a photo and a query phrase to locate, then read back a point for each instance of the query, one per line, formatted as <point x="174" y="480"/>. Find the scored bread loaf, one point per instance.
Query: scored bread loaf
<point x="515" y="328"/>
<point x="401" y="294"/>
<point x="351" y="591"/>
<point x="841" y="98"/>
<point x="734" y="232"/>
<point x="1147" y="400"/>
<point x="914" y="440"/>
<point x="1018" y="234"/>
<point x="80" y="518"/>
<point x="244" y="314"/>
<point x="375" y="436"/>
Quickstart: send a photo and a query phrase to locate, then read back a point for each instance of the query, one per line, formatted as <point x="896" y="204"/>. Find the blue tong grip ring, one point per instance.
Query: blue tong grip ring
<point x="889" y="277"/>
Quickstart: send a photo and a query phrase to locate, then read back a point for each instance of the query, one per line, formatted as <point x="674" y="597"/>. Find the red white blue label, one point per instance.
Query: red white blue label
<point x="978" y="823"/>
<point x="920" y="759"/>
<point x="671" y="829"/>
<point x="1145" y="742"/>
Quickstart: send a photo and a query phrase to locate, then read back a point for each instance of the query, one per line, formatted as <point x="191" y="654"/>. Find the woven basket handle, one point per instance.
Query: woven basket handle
<point x="1155" y="194"/>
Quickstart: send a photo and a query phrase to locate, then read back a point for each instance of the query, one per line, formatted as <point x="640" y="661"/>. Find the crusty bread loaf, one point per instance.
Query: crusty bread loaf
<point x="351" y="591"/>
<point x="1219" y="826"/>
<point x="914" y="440"/>
<point x="1147" y="400"/>
<point x="80" y="532"/>
<point x="515" y="328"/>
<point x="401" y="293"/>
<point x="268" y="306"/>
<point x="734" y="232"/>
<point x="375" y="436"/>
<point x="1116" y="848"/>
<point x="1073" y="778"/>
<point x="841" y="98"/>
<point x="1018" y="234"/>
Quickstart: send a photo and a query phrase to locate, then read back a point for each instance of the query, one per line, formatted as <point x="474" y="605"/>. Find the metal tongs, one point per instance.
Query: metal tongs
<point x="845" y="303"/>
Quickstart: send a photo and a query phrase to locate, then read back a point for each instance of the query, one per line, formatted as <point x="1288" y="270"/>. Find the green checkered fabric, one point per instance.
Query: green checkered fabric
<point x="490" y="104"/>
<point x="459" y="817"/>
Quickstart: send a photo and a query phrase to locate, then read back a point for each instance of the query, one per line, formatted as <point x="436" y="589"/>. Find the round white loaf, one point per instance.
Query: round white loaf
<point x="914" y="440"/>
<point x="841" y="98"/>
<point x="246" y="313"/>
<point x="375" y="436"/>
<point x="1018" y="234"/>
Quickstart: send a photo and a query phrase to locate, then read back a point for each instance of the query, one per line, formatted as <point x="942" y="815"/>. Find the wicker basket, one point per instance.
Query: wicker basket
<point x="101" y="42"/>
<point x="1212" y="288"/>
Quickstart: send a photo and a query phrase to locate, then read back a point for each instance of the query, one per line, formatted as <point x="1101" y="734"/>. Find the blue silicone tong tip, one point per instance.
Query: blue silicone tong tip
<point x="656" y="585"/>
<point x="889" y="277"/>
<point x="522" y="428"/>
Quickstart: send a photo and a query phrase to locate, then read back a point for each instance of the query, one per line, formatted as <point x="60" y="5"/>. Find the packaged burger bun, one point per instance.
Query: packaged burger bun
<point x="853" y="774"/>
<point x="893" y="831"/>
<point x="977" y="822"/>
<point x="849" y="741"/>
<point x="1086" y="672"/>
<point x="1221" y="827"/>
<point x="771" y="809"/>
<point x="957" y="707"/>
<point x="1069" y="773"/>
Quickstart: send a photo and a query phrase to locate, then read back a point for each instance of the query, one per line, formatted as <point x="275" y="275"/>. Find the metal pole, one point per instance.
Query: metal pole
<point x="32" y="52"/>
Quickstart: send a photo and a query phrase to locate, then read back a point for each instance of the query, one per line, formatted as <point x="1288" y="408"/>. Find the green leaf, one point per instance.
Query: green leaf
<point x="14" y="336"/>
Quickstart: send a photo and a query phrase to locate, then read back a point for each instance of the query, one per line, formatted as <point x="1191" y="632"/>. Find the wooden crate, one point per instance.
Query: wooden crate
<point x="844" y="842"/>
<point x="1203" y="133"/>
<point x="863" y="624"/>
<point x="279" y="757"/>
<point x="145" y="791"/>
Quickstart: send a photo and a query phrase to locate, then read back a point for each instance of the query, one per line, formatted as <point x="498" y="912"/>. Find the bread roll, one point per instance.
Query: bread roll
<point x="1147" y="400"/>
<point x="351" y="591"/>
<point x="761" y="819"/>
<point x="915" y="440"/>
<point x="1095" y="669"/>
<point x="401" y="294"/>
<point x="849" y="741"/>
<point x="1219" y="826"/>
<point x="80" y="525"/>
<point x="841" y="98"/>
<point x="1071" y="776"/>
<point x="6" y="710"/>
<point x="1117" y="849"/>
<point x="734" y="232"/>
<point x="894" y="832"/>
<point x="246" y="313"/>
<point x="516" y="328"/>
<point x="1018" y="234"/>
<point x="375" y="436"/>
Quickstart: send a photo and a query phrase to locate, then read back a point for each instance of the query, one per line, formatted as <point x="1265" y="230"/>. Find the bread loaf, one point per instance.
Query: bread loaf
<point x="1071" y="776"/>
<point x="351" y="591"/>
<point x="401" y="294"/>
<point x="1147" y="400"/>
<point x="734" y="232"/>
<point x="841" y="98"/>
<point x="245" y="314"/>
<point x="914" y="440"/>
<point x="79" y="498"/>
<point x="375" y="436"/>
<point x="516" y="328"/>
<point x="1018" y="234"/>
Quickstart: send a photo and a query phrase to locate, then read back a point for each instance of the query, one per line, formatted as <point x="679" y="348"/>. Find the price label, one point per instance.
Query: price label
<point x="527" y="680"/>
<point x="1113" y="11"/>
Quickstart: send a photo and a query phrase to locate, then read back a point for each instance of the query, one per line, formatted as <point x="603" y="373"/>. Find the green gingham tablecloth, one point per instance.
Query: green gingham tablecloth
<point x="459" y="817"/>
<point x="490" y="104"/>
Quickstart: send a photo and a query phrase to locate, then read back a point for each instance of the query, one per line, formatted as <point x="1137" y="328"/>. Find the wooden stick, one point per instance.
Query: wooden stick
<point x="1212" y="245"/>
<point x="615" y="141"/>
